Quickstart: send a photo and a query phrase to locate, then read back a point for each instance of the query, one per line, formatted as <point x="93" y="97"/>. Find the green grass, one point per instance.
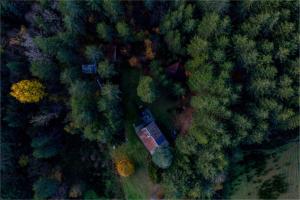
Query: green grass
<point x="284" y="161"/>
<point x="138" y="185"/>
<point x="163" y="110"/>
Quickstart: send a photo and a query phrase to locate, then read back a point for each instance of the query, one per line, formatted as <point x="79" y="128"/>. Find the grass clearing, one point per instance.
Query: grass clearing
<point x="139" y="185"/>
<point x="283" y="161"/>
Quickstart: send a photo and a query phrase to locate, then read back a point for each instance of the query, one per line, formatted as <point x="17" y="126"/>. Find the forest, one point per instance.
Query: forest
<point x="217" y="81"/>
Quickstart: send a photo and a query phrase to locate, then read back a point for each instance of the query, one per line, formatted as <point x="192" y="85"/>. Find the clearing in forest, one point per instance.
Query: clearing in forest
<point x="139" y="185"/>
<point x="278" y="176"/>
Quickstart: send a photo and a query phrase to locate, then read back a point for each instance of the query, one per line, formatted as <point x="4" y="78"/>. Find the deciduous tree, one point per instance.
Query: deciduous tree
<point x="146" y="89"/>
<point x="28" y="91"/>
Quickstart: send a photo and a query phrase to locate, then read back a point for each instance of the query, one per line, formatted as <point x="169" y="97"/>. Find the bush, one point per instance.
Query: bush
<point x="45" y="188"/>
<point x="90" y="194"/>
<point x="125" y="167"/>
<point x="162" y="157"/>
<point x="146" y="90"/>
<point x="93" y="53"/>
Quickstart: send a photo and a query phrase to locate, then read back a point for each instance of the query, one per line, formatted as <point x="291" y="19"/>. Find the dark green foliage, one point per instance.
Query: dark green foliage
<point x="160" y="77"/>
<point x="82" y="103"/>
<point x="93" y="53"/>
<point x="240" y="79"/>
<point x="45" y="146"/>
<point x="95" y="5"/>
<point x="213" y="6"/>
<point x="112" y="9"/>
<point x="44" y="70"/>
<point x="162" y="157"/>
<point x="104" y="31"/>
<point x="105" y="69"/>
<point x="48" y="45"/>
<point x="173" y="39"/>
<point x="65" y="56"/>
<point x="154" y="173"/>
<point x="16" y="69"/>
<point x="11" y="8"/>
<point x="123" y="31"/>
<point x="73" y="16"/>
<point x="90" y="194"/>
<point x="109" y="104"/>
<point x="69" y="75"/>
<point x="45" y="188"/>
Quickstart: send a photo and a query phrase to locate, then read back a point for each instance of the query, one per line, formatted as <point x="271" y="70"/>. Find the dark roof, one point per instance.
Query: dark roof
<point x="176" y="71"/>
<point x="147" y="116"/>
<point x="89" y="69"/>
<point x="172" y="69"/>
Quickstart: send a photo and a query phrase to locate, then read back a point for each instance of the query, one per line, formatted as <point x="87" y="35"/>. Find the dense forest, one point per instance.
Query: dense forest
<point x="220" y="77"/>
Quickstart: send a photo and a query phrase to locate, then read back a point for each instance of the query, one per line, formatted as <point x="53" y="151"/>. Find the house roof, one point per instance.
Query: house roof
<point x="172" y="69"/>
<point x="152" y="137"/>
<point x="148" y="140"/>
<point x="89" y="69"/>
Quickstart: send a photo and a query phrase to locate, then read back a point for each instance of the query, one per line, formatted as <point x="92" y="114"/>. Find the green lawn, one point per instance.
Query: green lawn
<point x="163" y="110"/>
<point x="138" y="185"/>
<point x="282" y="160"/>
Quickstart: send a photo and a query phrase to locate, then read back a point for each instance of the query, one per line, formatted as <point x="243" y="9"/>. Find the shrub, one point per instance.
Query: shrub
<point x="162" y="157"/>
<point x="146" y="90"/>
<point x="45" y="188"/>
<point x="125" y="167"/>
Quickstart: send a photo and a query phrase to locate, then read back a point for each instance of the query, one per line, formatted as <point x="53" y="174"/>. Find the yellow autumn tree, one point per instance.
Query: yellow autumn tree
<point x="28" y="91"/>
<point x="125" y="167"/>
<point x="149" y="51"/>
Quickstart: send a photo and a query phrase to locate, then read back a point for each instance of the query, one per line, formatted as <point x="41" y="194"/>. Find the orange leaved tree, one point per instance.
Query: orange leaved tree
<point x="149" y="51"/>
<point x="28" y="91"/>
<point x="125" y="167"/>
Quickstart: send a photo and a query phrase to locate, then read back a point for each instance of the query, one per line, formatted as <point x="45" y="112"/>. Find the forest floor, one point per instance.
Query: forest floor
<point x="139" y="185"/>
<point x="284" y="161"/>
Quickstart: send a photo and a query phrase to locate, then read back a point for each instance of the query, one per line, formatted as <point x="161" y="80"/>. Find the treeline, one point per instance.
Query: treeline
<point x="48" y="162"/>
<point x="241" y="71"/>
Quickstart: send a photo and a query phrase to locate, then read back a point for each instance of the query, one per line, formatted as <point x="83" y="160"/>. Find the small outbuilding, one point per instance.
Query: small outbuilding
<point x="89" y="69"/>
<point x="176" y="70"/>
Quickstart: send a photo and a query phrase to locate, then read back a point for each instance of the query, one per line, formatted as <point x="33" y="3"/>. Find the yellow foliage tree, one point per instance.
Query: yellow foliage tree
<point x="28" y="91"/>
<point x="124" y="167"/>
<point x="149" y="51"/>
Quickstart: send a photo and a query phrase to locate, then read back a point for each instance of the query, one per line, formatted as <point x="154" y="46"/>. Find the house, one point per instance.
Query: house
<point x="172" y="69"/>
<point x="149" y="133"/>
<point x="89" y="69"/>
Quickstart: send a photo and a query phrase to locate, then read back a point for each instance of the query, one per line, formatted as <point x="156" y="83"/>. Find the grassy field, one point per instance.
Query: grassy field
<point x="132" y="186"/>
<point x="282" y="161"/>
<point x="139" y="185"/>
